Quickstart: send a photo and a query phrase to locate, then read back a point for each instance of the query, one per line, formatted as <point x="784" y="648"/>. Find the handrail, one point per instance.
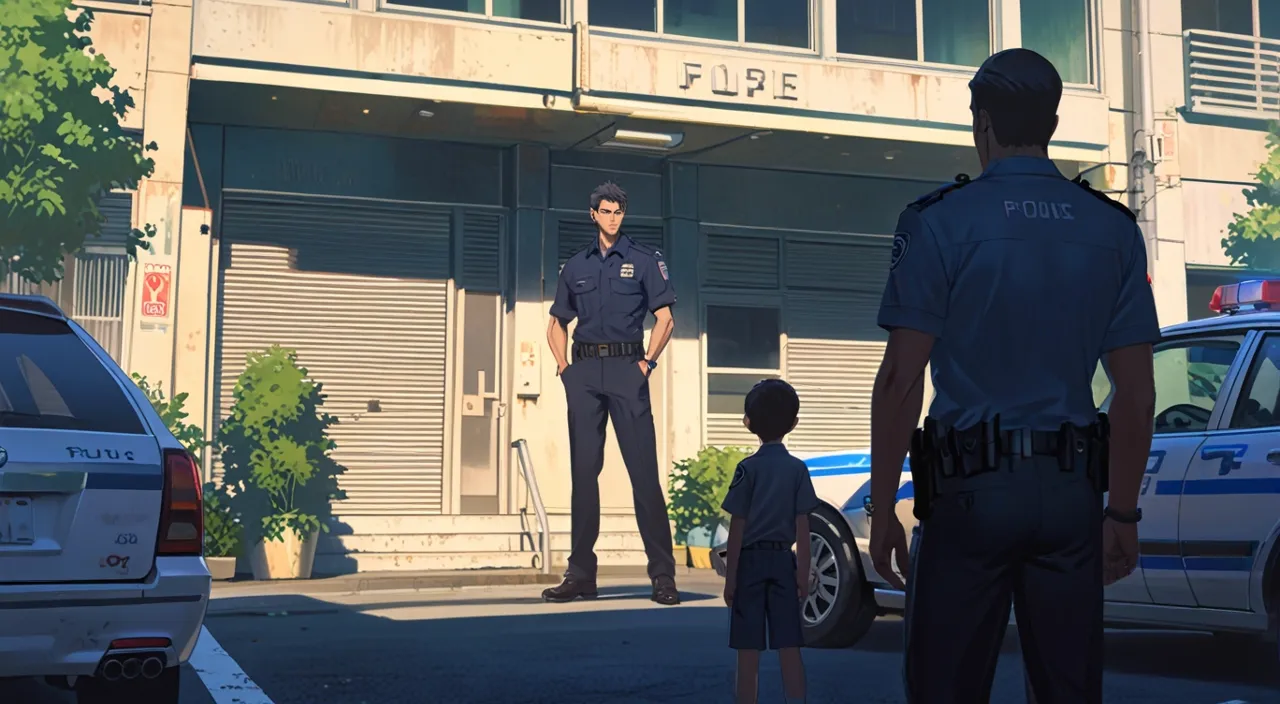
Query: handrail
<point x="1232" y="75"/>
<point x="531" y="480"/>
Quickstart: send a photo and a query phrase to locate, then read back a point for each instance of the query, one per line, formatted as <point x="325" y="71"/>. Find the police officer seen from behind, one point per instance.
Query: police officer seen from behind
<point x="610" y="285"/>
<point x="1012" y="285"/>
<point x="770" y="497"/>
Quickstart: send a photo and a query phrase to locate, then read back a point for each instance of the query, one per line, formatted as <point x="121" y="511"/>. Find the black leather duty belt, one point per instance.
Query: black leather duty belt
<point x="591" y="350"/>
<point x="767" y="545"/>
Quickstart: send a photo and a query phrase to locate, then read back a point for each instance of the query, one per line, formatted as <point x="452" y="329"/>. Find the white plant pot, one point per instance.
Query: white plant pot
<point x="288" y="558"/>
<point x="221" y="568"/>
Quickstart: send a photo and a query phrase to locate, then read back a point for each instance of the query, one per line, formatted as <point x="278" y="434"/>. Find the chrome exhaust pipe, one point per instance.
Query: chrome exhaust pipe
<point x="112" y="670"/>
<point x="152" y="667"/>
<point x="132" y="668"/>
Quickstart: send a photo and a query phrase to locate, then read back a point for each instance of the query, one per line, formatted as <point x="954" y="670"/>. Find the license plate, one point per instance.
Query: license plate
<point x="16" y="518"/>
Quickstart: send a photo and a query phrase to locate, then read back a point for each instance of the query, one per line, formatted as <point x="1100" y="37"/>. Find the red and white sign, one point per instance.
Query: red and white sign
<point x="157" y="283"/>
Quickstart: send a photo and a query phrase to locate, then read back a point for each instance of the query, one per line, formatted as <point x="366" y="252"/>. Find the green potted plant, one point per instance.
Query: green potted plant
<point x="221" y="526"/>
<point x="696" y="488"/>
<point x="275" y="449"/>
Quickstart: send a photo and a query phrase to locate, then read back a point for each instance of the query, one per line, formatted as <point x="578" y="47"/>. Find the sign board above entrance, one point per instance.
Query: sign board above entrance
<point x="753" y="83"/>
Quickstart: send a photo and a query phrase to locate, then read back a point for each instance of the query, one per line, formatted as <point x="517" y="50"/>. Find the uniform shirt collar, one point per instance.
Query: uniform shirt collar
<point x="772" y="446"/>
<point x="622" y="246"/>
<point x="1025" y="165"/>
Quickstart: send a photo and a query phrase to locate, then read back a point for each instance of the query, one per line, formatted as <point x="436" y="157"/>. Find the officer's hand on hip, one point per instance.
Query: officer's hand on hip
<point x="560" y="367"/>
<point x="889" y="541"/>
<point x="1119" y="550"/>
<point x="644" y="368"/>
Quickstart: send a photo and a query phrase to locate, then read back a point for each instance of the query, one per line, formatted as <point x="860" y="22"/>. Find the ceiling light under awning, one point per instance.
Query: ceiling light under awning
<point x="636" y="140"/>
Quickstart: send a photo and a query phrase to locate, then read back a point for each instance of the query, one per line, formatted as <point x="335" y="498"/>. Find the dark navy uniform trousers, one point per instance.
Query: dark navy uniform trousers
<point x="1029" y="533"/>
<point x="600" y="388"/>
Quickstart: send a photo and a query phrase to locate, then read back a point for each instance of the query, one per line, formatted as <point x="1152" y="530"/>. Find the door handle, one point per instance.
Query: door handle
<point x="1273" y="456"/>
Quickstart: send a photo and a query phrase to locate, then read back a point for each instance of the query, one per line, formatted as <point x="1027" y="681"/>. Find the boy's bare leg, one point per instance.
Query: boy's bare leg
<point x="748" y="676"/>
<point x="792" y="674"/>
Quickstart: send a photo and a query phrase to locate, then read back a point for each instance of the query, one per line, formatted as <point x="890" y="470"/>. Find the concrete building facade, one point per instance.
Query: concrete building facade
<point x="390" y="188"/>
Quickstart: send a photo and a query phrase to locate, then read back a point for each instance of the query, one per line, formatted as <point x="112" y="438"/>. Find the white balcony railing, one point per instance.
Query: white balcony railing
<point x="1232" y="75"/>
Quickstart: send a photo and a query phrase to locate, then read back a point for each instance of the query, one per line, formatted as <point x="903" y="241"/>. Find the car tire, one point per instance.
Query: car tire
<point x="842" y="619"/>
<point x="161" y="690"/>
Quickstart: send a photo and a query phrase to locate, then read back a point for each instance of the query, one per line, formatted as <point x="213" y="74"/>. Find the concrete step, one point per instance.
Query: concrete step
<point x="419" y="562"/>
<point x="464" y="543"/>
<point x="452" y="525"/>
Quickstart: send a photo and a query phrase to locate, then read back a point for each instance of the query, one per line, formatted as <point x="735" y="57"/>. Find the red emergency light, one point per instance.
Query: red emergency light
<point x="1260" y="295"/>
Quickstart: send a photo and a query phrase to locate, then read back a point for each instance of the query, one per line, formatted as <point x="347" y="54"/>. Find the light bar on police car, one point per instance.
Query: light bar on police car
<point x="1260" y="295"/>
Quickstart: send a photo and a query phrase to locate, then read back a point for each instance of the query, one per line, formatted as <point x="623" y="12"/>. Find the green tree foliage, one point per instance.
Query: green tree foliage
<point x="61" y="146"/>
<point x="697" y="487"/>
<point x="1253" y="237"/>
<point x="275" y="449"/>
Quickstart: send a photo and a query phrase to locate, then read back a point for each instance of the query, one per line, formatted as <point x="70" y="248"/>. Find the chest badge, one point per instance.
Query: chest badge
<point x="628" y="271"/>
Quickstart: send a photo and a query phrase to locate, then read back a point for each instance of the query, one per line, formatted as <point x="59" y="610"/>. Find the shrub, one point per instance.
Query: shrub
<point x="697" y="487"/>
<point x="275" y="449"/>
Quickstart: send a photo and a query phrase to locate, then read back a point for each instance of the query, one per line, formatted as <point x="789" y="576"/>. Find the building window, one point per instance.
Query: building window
<point x="537" y="10"/>
<point x="772" y="22"/>
<point x="1060" y="31"/>
<point x="1231" y="16"/>
<point x="954" y="32"/>
<point x="743" y="347"/>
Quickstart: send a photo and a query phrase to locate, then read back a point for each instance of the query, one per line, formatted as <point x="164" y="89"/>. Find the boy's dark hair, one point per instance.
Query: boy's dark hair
<point x="772" y="406"/>
<point x="1020" y="90"/>
<point x="609" y="191"/>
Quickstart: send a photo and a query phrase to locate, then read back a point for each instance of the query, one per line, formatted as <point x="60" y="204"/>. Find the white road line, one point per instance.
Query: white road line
<point x="224" y="679"/>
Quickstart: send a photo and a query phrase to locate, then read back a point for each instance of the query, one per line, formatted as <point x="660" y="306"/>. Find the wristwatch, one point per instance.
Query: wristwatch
<point x="1122" y="516"/>
<point x="652" y="364"/>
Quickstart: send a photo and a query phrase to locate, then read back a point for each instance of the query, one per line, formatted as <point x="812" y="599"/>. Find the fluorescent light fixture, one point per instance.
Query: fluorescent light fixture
<point x="635" y="140"/>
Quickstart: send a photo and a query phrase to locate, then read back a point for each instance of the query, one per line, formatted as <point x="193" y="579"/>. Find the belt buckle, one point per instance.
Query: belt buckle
<point x="602" y="350"/>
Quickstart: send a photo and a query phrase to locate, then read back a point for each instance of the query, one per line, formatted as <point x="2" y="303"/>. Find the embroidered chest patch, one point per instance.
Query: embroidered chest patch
<point x="628" y="271"/>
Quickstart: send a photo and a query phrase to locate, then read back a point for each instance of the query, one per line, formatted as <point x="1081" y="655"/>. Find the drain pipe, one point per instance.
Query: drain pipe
<point x="1145" y="186"/>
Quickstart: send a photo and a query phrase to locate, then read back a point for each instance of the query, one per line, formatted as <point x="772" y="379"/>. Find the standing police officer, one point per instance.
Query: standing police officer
<point x="1013" y="285"/>
<point x="609" y="286"/>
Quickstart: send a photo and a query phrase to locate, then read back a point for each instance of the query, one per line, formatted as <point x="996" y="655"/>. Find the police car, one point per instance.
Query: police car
<point x="102" y="585"/>
<point x="1209" y="555"/>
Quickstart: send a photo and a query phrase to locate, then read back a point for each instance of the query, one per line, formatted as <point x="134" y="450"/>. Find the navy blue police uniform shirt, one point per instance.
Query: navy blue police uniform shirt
<point x="769" y="489"/>
<point x="1026" y="279"/>
<point x="611" y="293"/>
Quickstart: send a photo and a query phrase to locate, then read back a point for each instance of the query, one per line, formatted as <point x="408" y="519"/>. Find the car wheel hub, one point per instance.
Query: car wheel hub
<point x="824" y="581"/>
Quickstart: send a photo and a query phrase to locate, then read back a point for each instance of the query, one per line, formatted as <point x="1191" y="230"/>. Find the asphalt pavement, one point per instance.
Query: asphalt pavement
<point x="501" y="644"/>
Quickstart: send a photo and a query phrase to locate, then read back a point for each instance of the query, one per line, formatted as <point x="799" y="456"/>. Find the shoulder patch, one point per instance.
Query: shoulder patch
<point x="1084" y="183"/>
<point x="901" y="243"/>
<point x="929" y="199"/>
<point x="738" y="475"/>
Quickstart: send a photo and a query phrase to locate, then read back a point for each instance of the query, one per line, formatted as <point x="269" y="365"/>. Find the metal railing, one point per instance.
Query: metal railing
<point x="531" y="480"/>
<point x="1232" y="75"/>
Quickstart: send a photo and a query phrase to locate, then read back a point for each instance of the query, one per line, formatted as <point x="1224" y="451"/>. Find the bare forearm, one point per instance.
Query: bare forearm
<point x="558" y="340"/>
<point x="895" y="409"/>
<point x="661" y="334"/>
<point x="1131" y="423"/>
<point x="802" y="539"/>
<point x="737" y="526"/>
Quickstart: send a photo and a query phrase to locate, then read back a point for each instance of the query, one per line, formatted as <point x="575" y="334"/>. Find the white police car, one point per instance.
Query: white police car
<point x="102" y="585"/>
<point x="1209" y="553"/>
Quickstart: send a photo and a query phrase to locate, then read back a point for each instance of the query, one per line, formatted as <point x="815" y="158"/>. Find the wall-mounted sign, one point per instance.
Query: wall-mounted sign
<point x="157" y="288"/>
<point x="729" y="80"/>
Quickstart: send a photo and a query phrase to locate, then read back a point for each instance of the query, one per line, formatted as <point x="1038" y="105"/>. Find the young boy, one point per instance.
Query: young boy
<point x="770" y="498"/>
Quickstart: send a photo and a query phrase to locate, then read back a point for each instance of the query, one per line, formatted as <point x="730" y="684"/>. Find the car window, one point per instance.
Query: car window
<point x="1189" y="377"/>
<point x="1260" y="397"/>
<point x="50" y="379"/>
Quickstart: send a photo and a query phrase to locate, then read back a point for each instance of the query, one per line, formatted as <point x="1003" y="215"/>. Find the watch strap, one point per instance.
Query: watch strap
<point x="1123" y="516"/>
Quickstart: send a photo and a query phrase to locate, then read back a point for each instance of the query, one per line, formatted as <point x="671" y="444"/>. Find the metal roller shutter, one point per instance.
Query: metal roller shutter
<point x="360" y="290"/>
<point x="834" y="346"/>
<point x="574" y="235"/>
<point x="481" y="252"/>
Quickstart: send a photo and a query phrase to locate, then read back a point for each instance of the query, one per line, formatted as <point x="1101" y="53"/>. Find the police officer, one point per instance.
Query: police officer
<point x="1012" y="285"/>
<point x="610" y="285"/>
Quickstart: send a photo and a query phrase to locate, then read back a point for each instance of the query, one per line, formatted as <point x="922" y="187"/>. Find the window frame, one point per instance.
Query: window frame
<point x="1093" y="33"/>
<point x="660" y="31"/>
<point x="993" y="27"/>
<point x="390" y="6"/>
<point x="1230" y="390"/>
<point x="739" y="298"/>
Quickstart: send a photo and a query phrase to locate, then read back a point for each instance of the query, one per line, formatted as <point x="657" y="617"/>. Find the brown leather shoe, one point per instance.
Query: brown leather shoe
<point x="665" y="592"/>
<point x="568" y="590"/>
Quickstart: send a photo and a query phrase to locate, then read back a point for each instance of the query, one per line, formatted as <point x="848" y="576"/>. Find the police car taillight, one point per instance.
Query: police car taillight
<point x="1260" y="295"/>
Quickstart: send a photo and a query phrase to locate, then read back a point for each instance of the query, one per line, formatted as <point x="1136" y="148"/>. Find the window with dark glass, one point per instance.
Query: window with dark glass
<point x="476" y="6"/>
<point x="777" y="22"/>
<point x="743" y="347"/>
<point x="538" y="10"/>
<point x="1232" y="16"/>
<point x="638" y="15"/>
<point x="1060" y="30"/>
<point x="877" y="28"/>
<point x="951" y="31"/>
<point x="705" y="19"/>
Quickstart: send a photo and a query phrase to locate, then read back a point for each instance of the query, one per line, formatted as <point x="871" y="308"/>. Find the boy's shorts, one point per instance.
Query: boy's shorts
<point x="766" y="595"/>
